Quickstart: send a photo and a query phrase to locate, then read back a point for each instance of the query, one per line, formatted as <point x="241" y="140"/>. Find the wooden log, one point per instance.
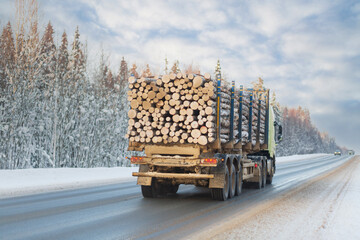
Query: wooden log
<point x="207" y="76"/>
<point x="184" y="136"/>
<point x="146" y="105"/>
<point x="203" y="129"/>
<point x="176" y="96"/>
<point x="172" y="76"/>
<point x="202" y="140"/>
<point x="195" y="124"/>
<point x="195" y="133"/>
<point x="165" y="79"/>
<point x="132" y="113"/>
<point x="194" y="105"/>
<point x="132" y="79"/>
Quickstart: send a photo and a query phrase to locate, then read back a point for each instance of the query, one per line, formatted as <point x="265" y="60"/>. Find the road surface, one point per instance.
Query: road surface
<point x="119" y="211"/>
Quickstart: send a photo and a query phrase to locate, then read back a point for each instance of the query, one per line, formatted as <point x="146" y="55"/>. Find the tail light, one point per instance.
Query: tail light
<point x="136" y="160"/>
<point x="209" y="161"/>
<point x="256" y="165"/>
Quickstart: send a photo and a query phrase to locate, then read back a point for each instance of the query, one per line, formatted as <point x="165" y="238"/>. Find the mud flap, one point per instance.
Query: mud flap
<point x="219" y="177"/>
<point x="144" y="181"/>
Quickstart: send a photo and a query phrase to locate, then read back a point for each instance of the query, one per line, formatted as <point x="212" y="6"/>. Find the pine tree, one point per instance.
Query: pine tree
<point x="7" y="53"/>
<point x="109" y="80"/>
<point x="133" y="71"/>
<point x="123" y="74"/>
<point x="76" y="65"/>
<point x="146" y="72"/>
<point x="47" y="58"/>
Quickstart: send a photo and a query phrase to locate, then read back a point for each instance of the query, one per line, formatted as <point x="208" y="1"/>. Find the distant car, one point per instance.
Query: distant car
<point x="337" y="152"/>
<point x="351" y="152"/>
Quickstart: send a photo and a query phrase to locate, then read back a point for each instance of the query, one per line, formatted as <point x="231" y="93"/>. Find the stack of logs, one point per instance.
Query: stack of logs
<point x="254" y="120"/>
<point x="181" y="108"/>
<point x="174" y="108"/>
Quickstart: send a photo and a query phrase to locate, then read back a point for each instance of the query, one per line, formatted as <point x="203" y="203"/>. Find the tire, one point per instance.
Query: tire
<point x="148" y="191"/>
<point x="269" y="178"/>
<point x="172" y="189"/>
<point x="239" y="182"/>
<point x="221" y="194"/>
<point x="232" y="183"/>
<point x="264" y="174"/>
<point x="258" y="185"/>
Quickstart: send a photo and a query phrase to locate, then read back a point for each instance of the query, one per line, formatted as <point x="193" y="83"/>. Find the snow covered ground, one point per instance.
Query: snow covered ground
<point x="299" y="157"/>
<point x="325" y="208"/>
<point x="30" y="181"/>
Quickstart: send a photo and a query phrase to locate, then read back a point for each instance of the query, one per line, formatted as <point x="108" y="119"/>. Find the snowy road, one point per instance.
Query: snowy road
<point x="119" y="211"/>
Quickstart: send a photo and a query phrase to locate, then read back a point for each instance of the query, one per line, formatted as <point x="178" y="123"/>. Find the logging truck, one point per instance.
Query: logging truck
<point x="193" y="129"/>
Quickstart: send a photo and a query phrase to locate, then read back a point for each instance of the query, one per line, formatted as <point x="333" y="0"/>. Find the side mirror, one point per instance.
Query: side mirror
<point x="279" y="134"/>
<point x="280" y="130"/>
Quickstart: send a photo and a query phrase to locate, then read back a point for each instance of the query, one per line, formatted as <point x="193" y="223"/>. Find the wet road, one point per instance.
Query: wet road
<point x="120" y="212"/>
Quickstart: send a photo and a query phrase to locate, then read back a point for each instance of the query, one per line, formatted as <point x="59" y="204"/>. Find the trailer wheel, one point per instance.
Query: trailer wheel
<point x="264" y="169"/>
<point x="172" y="189"/>
<point x="269" y="178"/>
<point x="232" y="184"/>
<point x="222" y="194"/>
<point x="239" y="182"/>
<point x="259" y="183"/>
<point x="148" y="191"/>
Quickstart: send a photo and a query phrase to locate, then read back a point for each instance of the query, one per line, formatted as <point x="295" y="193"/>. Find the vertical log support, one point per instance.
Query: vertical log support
<point x="231" y="137"/>
<point x="218" y="104"/>
<point x="217" y="143"/>
<point x="238" y="144"/>
<point x="240" y="113"/>
<point x="257" y="144"/>
<point x="267" y="98"/>
<point x="250" y="116"/>
<point x="258" y="122"/>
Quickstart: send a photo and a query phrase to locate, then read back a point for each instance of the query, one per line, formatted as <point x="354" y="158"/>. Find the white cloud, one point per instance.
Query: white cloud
<point x="272" y="17"/>
<point x="307" y="51"/>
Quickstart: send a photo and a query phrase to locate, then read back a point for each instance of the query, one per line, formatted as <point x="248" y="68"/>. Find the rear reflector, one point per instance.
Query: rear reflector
<point x="256" y="165"/>
<point x="209" y="161"/>
<point x="135" y="160"/>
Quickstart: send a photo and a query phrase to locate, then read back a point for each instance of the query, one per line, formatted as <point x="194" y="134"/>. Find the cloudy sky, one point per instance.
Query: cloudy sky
<point x="308" y="52"/>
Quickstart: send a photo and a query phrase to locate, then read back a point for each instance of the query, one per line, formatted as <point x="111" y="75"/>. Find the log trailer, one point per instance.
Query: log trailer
<point x="221" y="167"/>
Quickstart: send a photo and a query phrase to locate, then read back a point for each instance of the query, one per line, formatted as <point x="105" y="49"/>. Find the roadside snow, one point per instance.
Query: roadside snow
<point x="325" y="208"/>
<point x="299" y="157"/>
<point x="30" y="181"/>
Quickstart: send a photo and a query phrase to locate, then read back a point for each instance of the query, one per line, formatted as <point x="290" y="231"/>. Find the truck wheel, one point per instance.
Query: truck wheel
<point x="222" y="194"/>
<point x="148" y="191"/>
<point x="239" y="182"/>
<point x="264" y="174"/>
<point x="269" y="178"/>
<point x="258" y="184"/>
<point x="232" y="182"/>
<point x="172" y="189"/>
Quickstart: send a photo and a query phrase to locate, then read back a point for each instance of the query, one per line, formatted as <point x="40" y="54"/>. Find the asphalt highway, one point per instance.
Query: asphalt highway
<point x="119" y="211"/>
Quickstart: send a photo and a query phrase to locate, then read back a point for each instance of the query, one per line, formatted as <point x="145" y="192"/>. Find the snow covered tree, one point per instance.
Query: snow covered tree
<point x="300" y="136"/>
<point x="133" y="71"/>
<point x="146" y="72"/>
<point x="7" y="54"/>
<point x="123" y="75"/>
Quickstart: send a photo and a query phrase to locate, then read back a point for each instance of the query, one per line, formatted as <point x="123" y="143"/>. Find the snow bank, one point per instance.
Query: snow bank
<point x="300" y="157"/>
<point x="31" y="181"/>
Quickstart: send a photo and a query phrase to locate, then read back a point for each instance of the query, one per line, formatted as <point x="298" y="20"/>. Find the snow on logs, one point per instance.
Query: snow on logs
<point x="181" y="108"/>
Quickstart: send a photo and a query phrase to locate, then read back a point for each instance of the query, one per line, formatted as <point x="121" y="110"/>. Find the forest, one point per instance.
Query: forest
<point x="56" y="112"/>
